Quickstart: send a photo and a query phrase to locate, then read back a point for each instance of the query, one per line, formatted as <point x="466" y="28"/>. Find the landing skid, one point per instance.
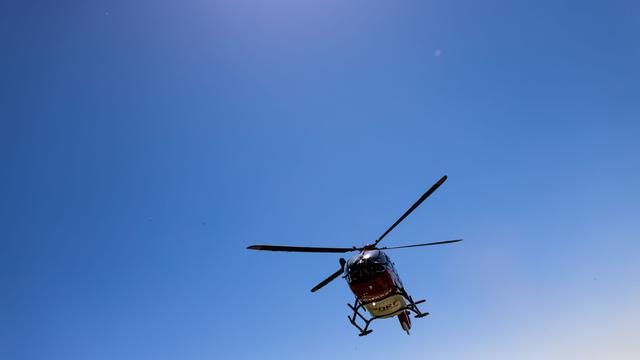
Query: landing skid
<point x="358" y="305"/>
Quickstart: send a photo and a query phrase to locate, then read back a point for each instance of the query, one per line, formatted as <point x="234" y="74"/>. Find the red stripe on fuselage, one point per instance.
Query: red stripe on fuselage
<point x="376" y="288"/>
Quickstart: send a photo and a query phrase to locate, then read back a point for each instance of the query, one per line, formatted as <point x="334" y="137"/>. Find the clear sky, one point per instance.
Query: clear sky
<point x="145" y="144"/>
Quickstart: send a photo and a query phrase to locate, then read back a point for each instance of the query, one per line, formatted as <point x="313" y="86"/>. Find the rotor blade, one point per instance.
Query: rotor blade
<point x="416" y="245"/>
<point x="332" y="277"/>
<point x="300" y="249"/>
<point x="413" y="207"/>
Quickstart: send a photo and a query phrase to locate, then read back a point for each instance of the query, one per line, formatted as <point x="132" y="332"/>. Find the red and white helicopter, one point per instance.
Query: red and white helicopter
<point x="372" y="277"/>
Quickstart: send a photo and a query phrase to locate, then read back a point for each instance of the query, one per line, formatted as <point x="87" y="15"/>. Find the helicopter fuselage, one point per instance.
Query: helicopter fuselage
<point x="374" y="281"/>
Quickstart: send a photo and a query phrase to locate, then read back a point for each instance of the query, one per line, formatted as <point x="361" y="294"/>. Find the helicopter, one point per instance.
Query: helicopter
<point x="372" y="277"/>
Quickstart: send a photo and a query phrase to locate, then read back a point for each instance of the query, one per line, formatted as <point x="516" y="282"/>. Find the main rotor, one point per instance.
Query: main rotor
<point x="372" y="246"/>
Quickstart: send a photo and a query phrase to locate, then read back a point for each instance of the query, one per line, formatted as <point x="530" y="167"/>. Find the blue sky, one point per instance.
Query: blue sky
<point x="145" y="144"/>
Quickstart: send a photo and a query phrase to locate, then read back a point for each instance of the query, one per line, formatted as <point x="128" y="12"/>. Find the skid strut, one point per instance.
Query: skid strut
<point x="358" y="305"/>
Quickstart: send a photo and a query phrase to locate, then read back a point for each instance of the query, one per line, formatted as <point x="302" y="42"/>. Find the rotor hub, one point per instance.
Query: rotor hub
<point x="369" y="247"/>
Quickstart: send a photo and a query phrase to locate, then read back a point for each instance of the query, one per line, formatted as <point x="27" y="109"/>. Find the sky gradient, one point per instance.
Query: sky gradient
<point x="145" y="144"/>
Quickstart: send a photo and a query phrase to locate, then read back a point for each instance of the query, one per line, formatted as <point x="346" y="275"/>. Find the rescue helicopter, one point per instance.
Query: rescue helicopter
<point x="372" y="277"/>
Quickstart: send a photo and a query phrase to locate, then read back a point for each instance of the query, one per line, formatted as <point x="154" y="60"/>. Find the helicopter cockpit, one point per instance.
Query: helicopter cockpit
<point x="366" y="266"/>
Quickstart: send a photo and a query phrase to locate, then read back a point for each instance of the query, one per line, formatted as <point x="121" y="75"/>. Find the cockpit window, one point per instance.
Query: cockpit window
<point x="365" y="267"/>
